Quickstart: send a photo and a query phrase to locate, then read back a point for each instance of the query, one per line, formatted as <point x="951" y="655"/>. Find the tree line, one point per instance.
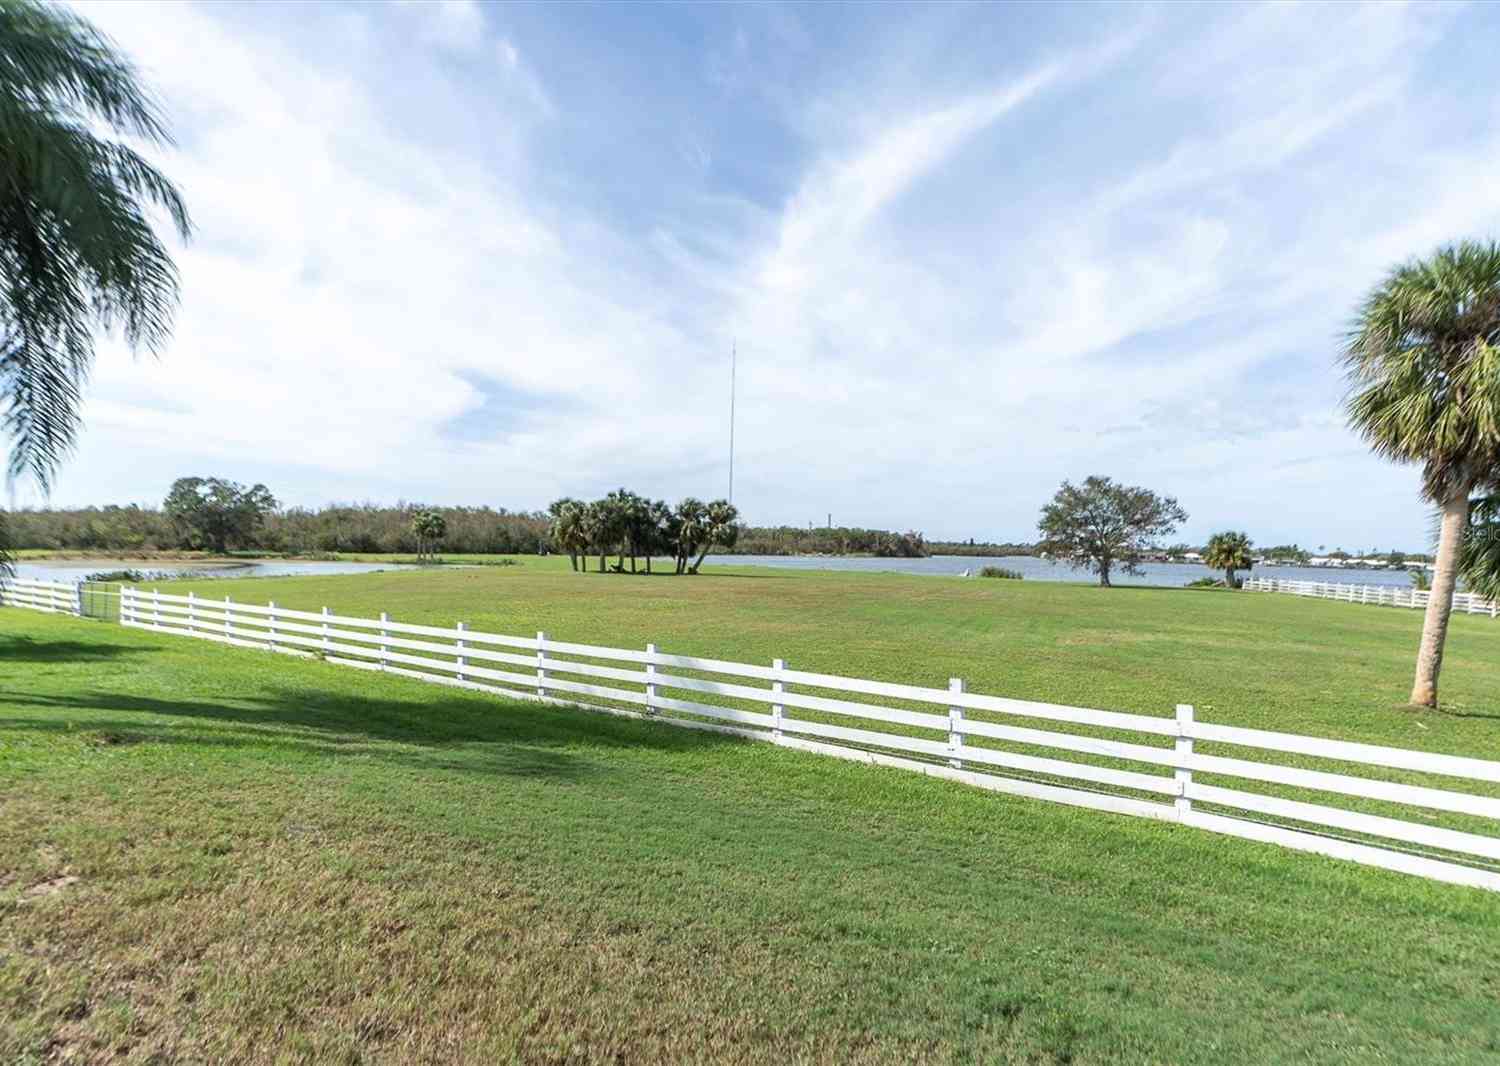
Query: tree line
<point x="629" y="526"/>
<point x="229" y="517"/>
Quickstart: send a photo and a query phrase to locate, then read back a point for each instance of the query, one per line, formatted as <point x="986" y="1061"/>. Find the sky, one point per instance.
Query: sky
<point x="461" y="253"/>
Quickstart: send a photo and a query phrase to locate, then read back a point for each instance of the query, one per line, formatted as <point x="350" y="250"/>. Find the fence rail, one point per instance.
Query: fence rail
<point x="60" y="597"/>
<point x="1384" y="595"/>
<point x="1161" y="772"/>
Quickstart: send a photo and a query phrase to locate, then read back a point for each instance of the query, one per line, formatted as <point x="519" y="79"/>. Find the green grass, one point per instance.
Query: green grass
<point x="1254" y="659"/>
<point x="281" y="861"/>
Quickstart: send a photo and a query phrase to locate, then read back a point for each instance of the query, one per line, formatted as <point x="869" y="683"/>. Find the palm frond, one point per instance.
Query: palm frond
<point x="78" y="250"/>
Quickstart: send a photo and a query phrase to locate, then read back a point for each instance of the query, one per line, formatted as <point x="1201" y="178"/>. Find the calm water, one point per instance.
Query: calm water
<point x="1041" y="570"/>
<point x="951" y="565"/>
<point x="77" y="570"/>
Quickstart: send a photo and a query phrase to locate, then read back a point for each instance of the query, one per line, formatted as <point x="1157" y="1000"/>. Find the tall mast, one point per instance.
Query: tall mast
<point x="733" y="359"/>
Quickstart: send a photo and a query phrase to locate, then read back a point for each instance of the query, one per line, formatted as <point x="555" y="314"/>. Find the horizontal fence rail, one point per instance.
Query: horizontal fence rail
<point x="1383" y="595"/>
<point x="59" y="597"/>
<point x="1158" y="769"/>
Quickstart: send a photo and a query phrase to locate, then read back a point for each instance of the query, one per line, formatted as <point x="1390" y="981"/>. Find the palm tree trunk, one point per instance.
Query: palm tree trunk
<point x="1104" y="574"/>
<point x="1229" y="577"/>
<point x="573" y="559"/>
<point x="1440" y="598"/>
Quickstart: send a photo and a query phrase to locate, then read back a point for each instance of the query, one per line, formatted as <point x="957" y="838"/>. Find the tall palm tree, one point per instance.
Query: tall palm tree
<point x="78" y="252"/>
<point x="1228" y="552"/>
<point x="720" y="527"/>
<point x="1423" y="359"/>
<point x="567" y="529"/>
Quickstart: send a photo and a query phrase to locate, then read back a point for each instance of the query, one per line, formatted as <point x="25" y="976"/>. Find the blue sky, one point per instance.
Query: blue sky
<point x="472" y="253"/>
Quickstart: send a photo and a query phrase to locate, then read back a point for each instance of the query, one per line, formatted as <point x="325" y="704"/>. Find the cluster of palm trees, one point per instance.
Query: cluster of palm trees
<point x="629" y="526"/>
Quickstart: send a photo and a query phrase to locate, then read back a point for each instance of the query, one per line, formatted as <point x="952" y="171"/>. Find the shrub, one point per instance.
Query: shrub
<point x="1002" y="571"/>
<point x="1206" y="583"/>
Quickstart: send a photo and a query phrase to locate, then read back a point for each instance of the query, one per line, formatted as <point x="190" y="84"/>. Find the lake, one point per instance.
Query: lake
<point x="78" y="569"/>
<point x="1168" y="574"/>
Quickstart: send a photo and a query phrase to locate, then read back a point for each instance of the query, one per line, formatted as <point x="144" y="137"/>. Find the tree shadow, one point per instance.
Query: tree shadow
<point x="439" y="729"/>
<point x="27" y="650"/>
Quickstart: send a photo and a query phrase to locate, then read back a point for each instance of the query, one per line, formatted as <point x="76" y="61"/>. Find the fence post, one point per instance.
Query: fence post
<point x="78" y="599"/>
<point x="156" y="607"/>
<point x="192" y="614"/>
<point x="955" y="716"/>
<point x="778" y="688"/>
<point x="271" y="623"/>
<point x="541" y="663"/>
<point x="651" y="680"/>
<point x="325" y="632"/>
<point x="384" y="636"/>
<point x="1183" y="774"/>
<point x="460" y="642"/>
<point x="228" y="636"/>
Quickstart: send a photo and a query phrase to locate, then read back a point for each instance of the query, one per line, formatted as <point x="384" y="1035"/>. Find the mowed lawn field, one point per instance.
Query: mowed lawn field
<point x="217" y="854"/>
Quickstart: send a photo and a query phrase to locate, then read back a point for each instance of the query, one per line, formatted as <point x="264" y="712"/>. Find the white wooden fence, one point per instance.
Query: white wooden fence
<point x="59" y="597"/>
<point x="1169" y="776"/>
<point x="1386" y="595"/>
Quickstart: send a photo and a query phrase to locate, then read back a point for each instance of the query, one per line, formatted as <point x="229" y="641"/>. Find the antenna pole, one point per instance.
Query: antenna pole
<point x="733" y="359"/>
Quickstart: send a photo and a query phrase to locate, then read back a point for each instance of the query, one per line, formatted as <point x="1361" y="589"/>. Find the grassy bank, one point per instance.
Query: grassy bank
<point x="1264" y="660"/>
<point x="216" y="854"/>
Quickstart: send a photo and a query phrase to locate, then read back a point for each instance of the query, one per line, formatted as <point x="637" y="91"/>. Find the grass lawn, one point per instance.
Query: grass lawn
<point x="1255" y="659"/>
<point x="215" y="854"/>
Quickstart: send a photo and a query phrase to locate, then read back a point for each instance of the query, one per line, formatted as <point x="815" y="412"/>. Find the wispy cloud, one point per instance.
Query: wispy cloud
<point x="509" y="263"/>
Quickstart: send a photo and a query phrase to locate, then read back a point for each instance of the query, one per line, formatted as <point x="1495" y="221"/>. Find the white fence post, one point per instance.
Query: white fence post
<point x="460" y="643"/>
<point x="955" y="716"/>
<point x="156" y="607"/>
<point x="384" y="636"/>
<point x="78" y="599"/>
<point x="1183" y="749"/>
<point x="192" y="611"/>
<point x="650" y="679"/>
<point x="325" y="631"/>
<point x="271" y="623"/>
<point x="778" y="688"/>
<point x="541" y="663"/>
<point x="228" y="622"/>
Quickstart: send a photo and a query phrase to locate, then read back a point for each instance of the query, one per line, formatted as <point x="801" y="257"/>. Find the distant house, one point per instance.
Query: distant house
<point x="1193" y="557"/>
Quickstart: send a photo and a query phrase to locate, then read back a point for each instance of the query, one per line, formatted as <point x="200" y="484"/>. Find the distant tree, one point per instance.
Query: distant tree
<point x="601" y="527"/>
<point x="1288" y="551"/>
<point x="429" y="527"/>
<point x="214" y="513"/>
<point x="662" y="523"/>
<point x="567" y="529"/>
<point x="1101" y="525"/>
<point x="1228" y="552"/>
<point x="1423" y="360"/>
<point x="692" y="530"/>
<point x="720" y="529"/>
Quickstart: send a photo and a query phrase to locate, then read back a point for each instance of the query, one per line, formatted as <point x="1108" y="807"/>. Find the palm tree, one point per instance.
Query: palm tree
<point x="77" y="249"/>
<point x="1424" y="369"/>
<point x="692" y="529"/>
<point x="1228" y="552"/>
<point x="720" y="527"/>
<point x="429" y="527"/>
<point x="568" y="529"/>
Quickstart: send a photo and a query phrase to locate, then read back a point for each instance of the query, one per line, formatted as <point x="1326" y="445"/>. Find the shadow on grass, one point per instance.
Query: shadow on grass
<point x="432" y="729"/>
<point x="26" y="650"/>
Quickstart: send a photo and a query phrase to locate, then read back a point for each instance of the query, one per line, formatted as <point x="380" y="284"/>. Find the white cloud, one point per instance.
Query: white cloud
<point x="924" y="341"/>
